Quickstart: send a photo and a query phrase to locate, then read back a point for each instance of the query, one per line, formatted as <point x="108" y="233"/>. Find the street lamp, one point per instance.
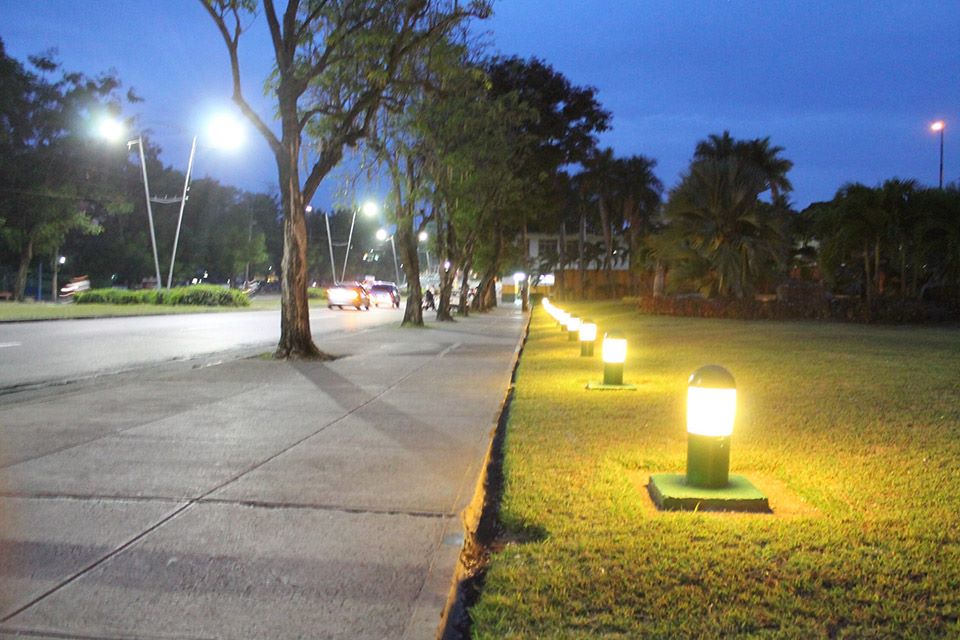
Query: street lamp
<point x="225" y="133"/>
<point x="711" y="409"/>
<point x="146" y="191"/>
<point x="423" y="237"/>
<point x="383" y="235"/>
<point x="370" y="209"/>
<point x="939" y="126"/>
<point x="326" y="218"/>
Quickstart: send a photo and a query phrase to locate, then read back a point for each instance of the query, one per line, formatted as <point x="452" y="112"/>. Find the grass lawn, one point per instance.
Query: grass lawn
<point x="852" y="431"/>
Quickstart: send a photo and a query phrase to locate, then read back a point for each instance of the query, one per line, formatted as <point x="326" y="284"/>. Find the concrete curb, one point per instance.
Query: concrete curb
<point x="463" y="568"/>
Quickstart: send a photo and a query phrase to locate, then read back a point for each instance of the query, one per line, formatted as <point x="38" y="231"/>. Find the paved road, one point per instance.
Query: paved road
<point x="35" y="352"/>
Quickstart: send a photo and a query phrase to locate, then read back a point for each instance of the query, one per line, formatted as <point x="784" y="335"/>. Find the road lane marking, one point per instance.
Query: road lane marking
<point x="4" y="345"/>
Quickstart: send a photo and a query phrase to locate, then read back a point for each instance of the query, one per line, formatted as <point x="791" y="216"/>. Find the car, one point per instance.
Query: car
<point x="348" y="295"/>
<point x="385" y="293"/>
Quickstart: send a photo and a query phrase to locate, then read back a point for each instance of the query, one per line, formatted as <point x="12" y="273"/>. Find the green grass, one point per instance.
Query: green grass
<point x="852" y="431"/>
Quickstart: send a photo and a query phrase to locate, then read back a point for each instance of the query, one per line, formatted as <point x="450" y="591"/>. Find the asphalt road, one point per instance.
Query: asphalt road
<point x="53" y="351"/>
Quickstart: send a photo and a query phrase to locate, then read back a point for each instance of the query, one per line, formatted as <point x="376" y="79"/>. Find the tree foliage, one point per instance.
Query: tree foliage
<point x="337" y="63"/>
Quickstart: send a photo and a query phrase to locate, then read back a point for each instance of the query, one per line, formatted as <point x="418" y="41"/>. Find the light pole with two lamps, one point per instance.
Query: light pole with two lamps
<point x="225" y="133"/>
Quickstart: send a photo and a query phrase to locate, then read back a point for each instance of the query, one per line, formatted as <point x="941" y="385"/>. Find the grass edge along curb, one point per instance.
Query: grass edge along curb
<point x="480" y="520"/>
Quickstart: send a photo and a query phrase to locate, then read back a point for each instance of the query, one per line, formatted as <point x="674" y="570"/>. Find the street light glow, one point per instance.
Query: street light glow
<point x="370" y="208"/>
<point x="110" y="129"/>
<point x="423" y="236"/>
<point x="381" y="234"/>
<point x="939" y="125"/>
<point x="225" y="132"/>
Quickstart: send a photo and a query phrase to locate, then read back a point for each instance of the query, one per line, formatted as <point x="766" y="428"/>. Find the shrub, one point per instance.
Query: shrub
<point x="808" y="306"/>
<point x="202" y="295"/>
<point x="317" y="293"/>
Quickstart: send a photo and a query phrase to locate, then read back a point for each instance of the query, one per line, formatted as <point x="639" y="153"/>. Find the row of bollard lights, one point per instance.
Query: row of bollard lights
<point x="711" y="399"/>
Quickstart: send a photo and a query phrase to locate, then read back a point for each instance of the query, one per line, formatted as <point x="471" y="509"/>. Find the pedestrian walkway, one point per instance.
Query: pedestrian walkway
<point x="252" y="498"/>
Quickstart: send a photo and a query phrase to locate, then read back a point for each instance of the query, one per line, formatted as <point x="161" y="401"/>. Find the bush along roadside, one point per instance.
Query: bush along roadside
<point x="197" y="295"/>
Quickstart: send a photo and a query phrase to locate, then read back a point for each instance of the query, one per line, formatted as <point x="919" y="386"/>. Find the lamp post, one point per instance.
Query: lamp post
<point x="711" y="408"/>
<point x="573" y="328"/>
<point x="939" y="126"/>
<point x="225" y="133"/>
<point x="370" y="209"/>
<point x="614" y="355"/>
<point x="383" y="235"/>
<point x="423" y="237"/>
<point x="146" y="191"/>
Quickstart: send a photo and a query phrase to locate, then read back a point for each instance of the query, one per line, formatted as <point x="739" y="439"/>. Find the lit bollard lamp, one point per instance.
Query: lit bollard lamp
<point x="562" y="318"/>
<point x="711" y="408"/>
<point x="614" y="355"/>
<point x="588" y="337"/>
<point x="573" y="328"/>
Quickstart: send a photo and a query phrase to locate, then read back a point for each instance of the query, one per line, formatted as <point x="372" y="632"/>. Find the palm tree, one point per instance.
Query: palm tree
<point x="773" y="167"/>
<point x="757" y="152"/>
<point x="639" y="199"/>
<point x="727" y="238"/>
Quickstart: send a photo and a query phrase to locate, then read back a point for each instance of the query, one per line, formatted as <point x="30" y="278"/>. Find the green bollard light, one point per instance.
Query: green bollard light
<point x="588" y="338"/>
<point x="614" y="355"/>
<point x="711" y="408"/>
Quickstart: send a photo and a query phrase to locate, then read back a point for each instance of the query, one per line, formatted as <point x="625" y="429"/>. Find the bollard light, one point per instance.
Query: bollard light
<point x="562" y="318"/>
<point x="614" y="355"/>
<point x="588" y="337"/>
<point x="711" y="408"/>
<point x="573" y="328"/>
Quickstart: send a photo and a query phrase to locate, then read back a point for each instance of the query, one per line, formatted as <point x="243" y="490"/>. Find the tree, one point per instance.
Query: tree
<point x="473" y="147"/>
<point x="563" y="133"/>
<point x="53" y="182"/>
<point x="721" y="238"/>
<point x="337" y="63"/>
<point x="757" y="152"/>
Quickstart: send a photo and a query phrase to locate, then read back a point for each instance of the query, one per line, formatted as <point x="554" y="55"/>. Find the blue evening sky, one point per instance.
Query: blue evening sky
<point x="848" y="88"/>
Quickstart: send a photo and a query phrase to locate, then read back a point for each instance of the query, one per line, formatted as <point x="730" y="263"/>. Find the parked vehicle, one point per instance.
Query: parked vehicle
<point x="345" y="294"/>
<point x="385" y="293"/>
<point x="80" y="283"/>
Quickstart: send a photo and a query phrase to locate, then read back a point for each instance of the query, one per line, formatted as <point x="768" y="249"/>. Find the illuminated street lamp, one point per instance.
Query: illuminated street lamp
<point x="370" y="209"/>
<point x="573" y="328"/>
<point x="939" y="126"/>
<point x="224" y="132"/>
<point x="614" y="355"/>
<point x="382" y="235"/>
<point x="711" y="408"/>
<point x="588" y="337"/>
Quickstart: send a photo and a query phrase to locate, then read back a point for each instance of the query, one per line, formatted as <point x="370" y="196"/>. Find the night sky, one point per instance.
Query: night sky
<point x="849" y="89"/>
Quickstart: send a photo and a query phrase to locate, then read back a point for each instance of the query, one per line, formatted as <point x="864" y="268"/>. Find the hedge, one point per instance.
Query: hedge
<point x="197" y="295"/>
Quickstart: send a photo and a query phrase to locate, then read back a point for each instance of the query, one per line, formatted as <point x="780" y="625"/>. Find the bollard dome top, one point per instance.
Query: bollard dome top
<point x="712" y="376"/>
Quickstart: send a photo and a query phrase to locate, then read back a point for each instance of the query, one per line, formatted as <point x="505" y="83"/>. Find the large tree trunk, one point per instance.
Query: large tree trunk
<point x="406" y="242"/>
<point x="562" y="260"/>
<point x="296" y="341"/>
<point x="607" y="246"/>
<point x="20" y="284"/>
<point x="581" y="242"/>
<point x="463" y="306"/>
<point x="446" y="239"/>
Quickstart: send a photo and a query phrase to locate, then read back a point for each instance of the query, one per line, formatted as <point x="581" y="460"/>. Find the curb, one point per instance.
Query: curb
<point x="467" y="565"/>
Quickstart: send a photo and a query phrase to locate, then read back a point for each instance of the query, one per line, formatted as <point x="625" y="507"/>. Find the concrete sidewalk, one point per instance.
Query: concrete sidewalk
<point x="252" y="498"/>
